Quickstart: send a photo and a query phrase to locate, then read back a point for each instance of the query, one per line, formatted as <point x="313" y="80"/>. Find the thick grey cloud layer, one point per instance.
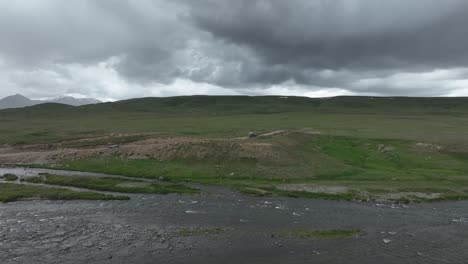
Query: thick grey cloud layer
<point x="114" y="49"/>
<point x="343" y="33"/>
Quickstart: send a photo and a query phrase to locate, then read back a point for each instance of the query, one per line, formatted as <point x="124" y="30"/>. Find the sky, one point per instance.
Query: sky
<point x="119" y="49"/>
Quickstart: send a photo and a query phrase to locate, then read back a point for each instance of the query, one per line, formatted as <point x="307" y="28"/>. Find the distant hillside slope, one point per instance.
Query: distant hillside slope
<point x="15" y="101"/>
<point x="429" y="119"/>
<point x="226" y="105"/>
<point x="19" y="101"/>
<point x="68" y="100"/>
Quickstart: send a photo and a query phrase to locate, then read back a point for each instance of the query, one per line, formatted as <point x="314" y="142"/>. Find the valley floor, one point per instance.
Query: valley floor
<point x="228" y="202"/>
<point x="177" y="180"/>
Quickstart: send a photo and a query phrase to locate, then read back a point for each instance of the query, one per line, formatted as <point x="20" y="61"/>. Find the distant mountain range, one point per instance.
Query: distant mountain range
<point x="18" y="101"/>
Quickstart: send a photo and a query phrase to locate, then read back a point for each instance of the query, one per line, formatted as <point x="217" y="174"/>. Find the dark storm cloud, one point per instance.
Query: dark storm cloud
<point x="338" y="34"/>
<point x="405" y="47"/>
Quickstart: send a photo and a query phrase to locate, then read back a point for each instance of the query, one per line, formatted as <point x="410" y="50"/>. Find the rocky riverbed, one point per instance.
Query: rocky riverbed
<point x="220" y="226"/>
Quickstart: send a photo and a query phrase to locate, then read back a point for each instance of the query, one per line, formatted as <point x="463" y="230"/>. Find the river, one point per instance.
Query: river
<point x="222" y="226"/>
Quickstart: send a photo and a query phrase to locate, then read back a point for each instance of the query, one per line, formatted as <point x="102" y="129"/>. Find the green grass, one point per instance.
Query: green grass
<point x="427" y="119"/>
<point x="365" y="161"/>
<point x="323" y="234"/>
<point x="10" y="192"/>
<point x="9" y="177"/>
<point x="111" y="184"/>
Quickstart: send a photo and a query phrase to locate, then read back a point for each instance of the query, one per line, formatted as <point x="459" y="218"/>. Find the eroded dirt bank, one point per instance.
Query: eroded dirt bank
<point x="223" y="226"/>
<point x="155" y="148"/>
<point x="142" y="146"/>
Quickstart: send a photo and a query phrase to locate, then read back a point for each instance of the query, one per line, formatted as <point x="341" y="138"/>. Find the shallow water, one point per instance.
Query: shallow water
<point x="146" y="229"/>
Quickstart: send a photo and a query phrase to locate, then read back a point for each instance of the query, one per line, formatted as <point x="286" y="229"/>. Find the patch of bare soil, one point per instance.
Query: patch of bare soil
<point x="382" y="197"/>
<point x="428" y="146"/>
<point x="400" y="195"/>
<point x="312" y="188"/>
<point x="285" y="133"/>
<point x="274" y="133"/>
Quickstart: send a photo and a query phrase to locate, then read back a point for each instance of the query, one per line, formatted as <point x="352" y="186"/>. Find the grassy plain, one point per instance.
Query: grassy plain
<point x="10" y="192"/>
<point x="398" y="149"/>
<point x="430" y="119"/>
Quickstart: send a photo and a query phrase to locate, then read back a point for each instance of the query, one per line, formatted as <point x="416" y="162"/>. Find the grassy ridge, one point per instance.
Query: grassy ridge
<point x="225" y="105"/>
<point x="13" y="192"/>
<point x="9" y="177"/>
<point x="335" y="158"/>
<point x="111" y="184"/>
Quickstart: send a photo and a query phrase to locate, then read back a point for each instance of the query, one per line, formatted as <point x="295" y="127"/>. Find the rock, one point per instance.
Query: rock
<point x="385" y="149"/>
<point x="461" y="220"/>
<point x="160" y="246"/>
